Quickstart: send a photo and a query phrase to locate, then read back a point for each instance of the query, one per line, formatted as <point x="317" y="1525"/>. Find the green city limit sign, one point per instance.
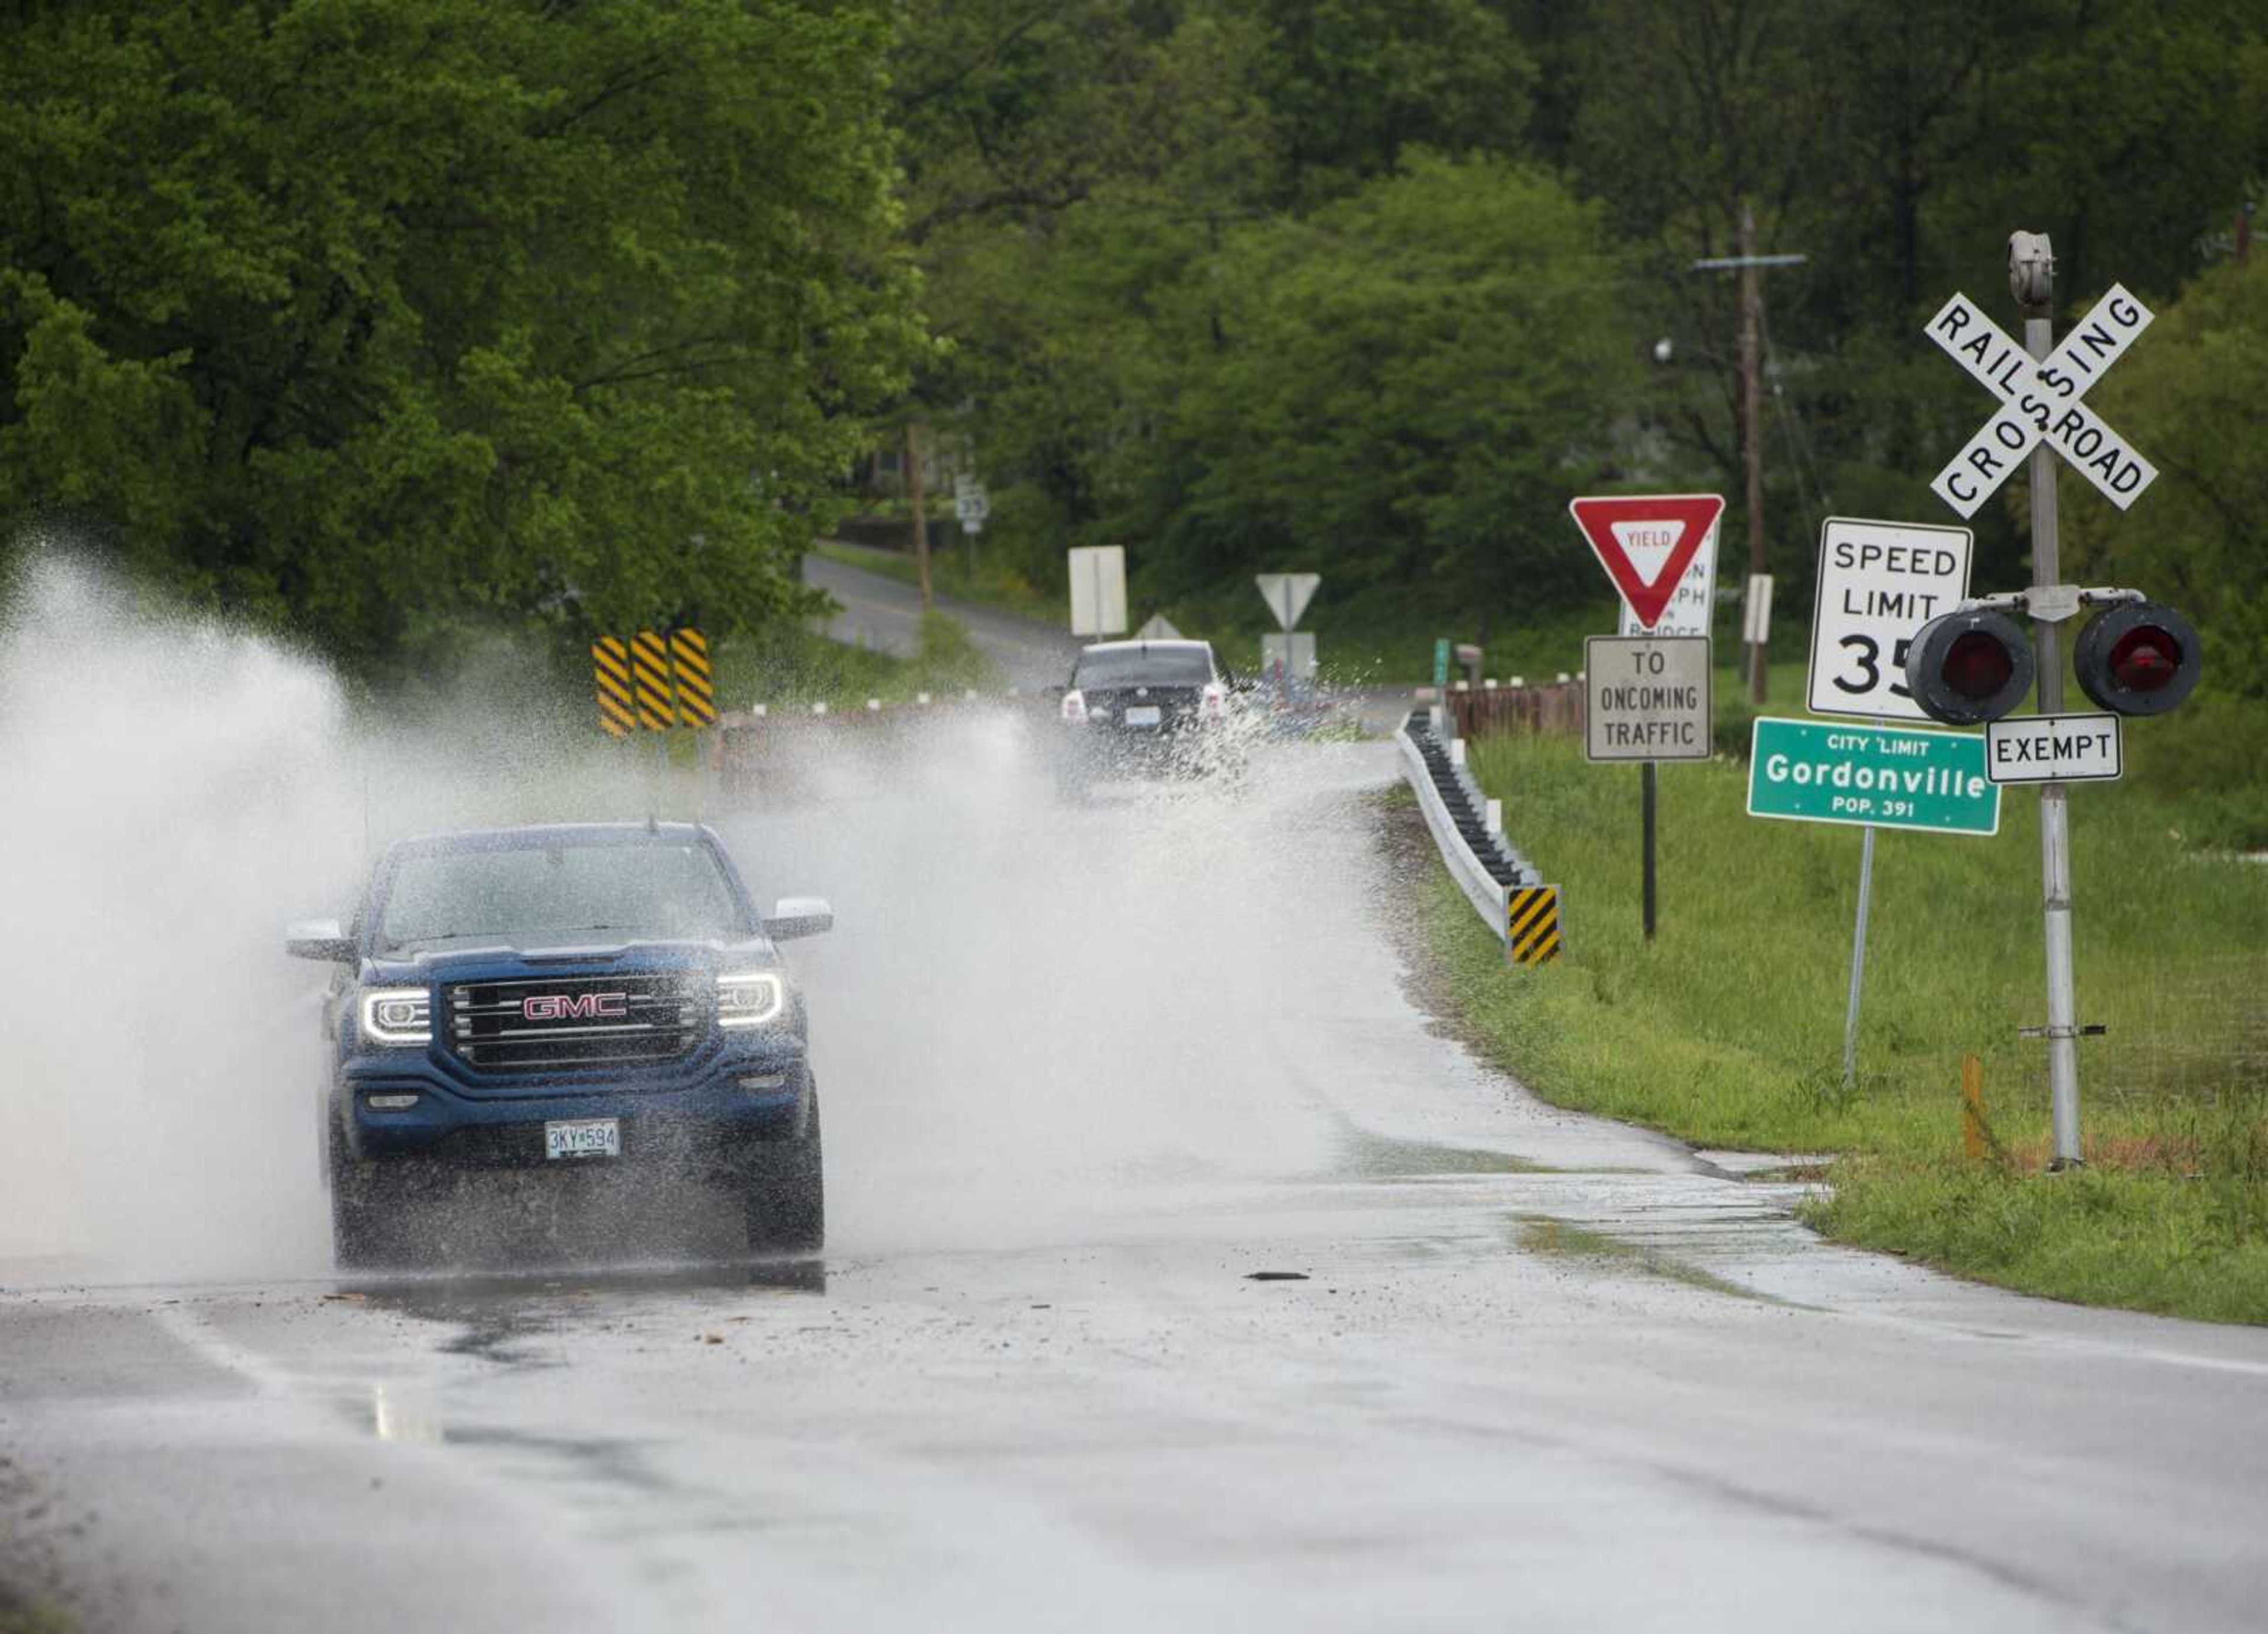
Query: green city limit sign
<point x="1890" y="777"/>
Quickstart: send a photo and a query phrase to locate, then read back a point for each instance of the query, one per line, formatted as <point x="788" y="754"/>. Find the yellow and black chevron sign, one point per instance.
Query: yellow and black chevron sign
<point x="1531" y="924"/>
<point x="649" y="661"/>
<point x="696" y="697"/>
<point x="610" y="666"/>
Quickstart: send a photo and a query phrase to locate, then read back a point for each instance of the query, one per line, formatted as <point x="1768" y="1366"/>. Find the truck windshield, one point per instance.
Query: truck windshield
<point x="559" y="896"/>
<point x="1137" y="666"/>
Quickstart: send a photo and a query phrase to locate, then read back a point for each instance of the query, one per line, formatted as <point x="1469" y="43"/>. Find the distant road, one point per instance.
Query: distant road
<point x="883" y="613"/>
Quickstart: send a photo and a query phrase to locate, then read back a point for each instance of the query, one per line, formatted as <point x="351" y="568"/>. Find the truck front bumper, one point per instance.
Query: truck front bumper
<point x="712" y="1118"/>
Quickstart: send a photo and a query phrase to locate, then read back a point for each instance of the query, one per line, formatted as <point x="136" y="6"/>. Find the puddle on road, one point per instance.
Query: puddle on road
<point x="496" y="1316"/>
<point x="1548" y="1234"/>
<point x="1372" y="1156"/>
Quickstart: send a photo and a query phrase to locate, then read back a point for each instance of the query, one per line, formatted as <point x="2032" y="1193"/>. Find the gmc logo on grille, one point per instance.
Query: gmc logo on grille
<point x="569" y="1007"/>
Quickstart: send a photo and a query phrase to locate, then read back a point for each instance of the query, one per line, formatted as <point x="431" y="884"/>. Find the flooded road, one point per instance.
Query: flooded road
<point x="1182" y="1274"/>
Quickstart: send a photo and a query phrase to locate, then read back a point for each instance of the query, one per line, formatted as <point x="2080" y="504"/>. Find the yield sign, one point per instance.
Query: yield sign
<point x="1287" y="594"/>
<point x="1645" y="542"/>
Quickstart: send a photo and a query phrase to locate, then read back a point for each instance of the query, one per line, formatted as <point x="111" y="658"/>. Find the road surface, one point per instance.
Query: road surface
<point x="880" y="612"/>
<point x="1183" y="1274"/>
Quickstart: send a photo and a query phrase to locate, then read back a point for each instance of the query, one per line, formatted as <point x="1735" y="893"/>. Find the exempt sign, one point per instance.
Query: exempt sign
<point x="1888" y="776"/>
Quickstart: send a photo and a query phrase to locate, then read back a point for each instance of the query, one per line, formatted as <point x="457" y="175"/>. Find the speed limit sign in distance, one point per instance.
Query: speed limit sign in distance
<point x="1879" y="584"/>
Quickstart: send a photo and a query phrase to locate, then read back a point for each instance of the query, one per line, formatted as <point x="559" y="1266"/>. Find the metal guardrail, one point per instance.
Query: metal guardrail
<point x="1484" y="876"/>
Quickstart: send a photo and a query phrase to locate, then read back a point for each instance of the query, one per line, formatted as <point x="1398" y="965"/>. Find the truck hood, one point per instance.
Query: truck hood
<point x="495" y="961"/>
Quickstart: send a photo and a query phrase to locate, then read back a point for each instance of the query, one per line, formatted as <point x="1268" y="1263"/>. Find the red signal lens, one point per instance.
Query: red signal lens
<point x="1977" y="666"/>
<point x="2145" y="658"/>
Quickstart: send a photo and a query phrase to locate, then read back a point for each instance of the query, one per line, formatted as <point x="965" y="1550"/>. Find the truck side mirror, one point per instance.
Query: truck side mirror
<point x="792" y="916"/>
<point x="318" y="939"/>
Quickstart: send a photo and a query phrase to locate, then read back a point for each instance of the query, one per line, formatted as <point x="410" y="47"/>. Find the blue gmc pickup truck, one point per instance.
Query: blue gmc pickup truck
<point x="569" y="995"/>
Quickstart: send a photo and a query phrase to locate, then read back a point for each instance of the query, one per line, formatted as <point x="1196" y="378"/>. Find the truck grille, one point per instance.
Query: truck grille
<point x="574" y="1021"/>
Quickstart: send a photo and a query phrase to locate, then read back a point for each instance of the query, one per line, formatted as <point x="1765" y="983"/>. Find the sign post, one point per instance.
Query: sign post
<point x="1645" y="699"/>
<point x="1287" y="595"/>
<point x="972" y="506"/>
<point x="1879" y="583"/>
<point x="1660" y="552"/>
<point x="2042" y="415"/>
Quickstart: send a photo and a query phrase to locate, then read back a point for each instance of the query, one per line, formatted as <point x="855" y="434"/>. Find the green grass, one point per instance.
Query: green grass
<point x="1727" y="1029"/>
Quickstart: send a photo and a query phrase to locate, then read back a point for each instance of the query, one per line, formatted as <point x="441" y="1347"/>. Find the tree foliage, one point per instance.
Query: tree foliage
<point x="379" y="318"/>
<point x="1214" y="272"/>
<point x="2187" y="394"/>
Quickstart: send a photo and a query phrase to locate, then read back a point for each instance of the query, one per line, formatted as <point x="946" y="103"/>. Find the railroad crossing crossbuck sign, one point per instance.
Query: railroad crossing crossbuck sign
<point x="2040" y="401"/>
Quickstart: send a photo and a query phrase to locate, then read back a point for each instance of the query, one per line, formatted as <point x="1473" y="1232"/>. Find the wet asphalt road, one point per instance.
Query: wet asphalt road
<point x="1181" y="1275"/>
<point x="882" y="613"/>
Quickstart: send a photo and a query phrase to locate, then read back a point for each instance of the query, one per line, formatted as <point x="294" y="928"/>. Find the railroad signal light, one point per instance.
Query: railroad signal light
<point x="2139" y="658"/>
<point x="1970" y="666"/>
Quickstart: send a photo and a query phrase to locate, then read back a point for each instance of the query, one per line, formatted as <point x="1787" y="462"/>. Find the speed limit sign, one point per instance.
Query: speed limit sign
<point x="1879" y="584"/>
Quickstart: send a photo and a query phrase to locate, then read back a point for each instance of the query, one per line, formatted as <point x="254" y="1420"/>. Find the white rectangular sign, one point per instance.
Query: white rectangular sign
<point x="1691" y="603"/>
<point x="2054" y="748"/>
<point x="1098" y="590"/>
<point x="1755" y="610"/>
<point x="1879" y="584"/>
<point x="1646" y="698"/>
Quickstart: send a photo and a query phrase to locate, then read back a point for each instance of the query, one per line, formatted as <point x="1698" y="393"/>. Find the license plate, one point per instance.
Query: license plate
<point x="584" y="1137"/>
<point x="1142" y="715"/>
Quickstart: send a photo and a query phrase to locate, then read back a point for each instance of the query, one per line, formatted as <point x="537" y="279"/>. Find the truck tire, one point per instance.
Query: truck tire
<point x="787" y="1194"/>
<point x="371" y="1205"/>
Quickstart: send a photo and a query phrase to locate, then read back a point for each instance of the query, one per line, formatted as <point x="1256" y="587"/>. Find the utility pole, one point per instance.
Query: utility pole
<point x="1752" y="418"/>
<point x="1748" y="263"/>
<point x="920" y="516"/>
<point x="2031" y="279"/>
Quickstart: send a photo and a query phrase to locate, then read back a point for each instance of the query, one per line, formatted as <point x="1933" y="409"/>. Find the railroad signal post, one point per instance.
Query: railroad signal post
<point x="1973" y="664"/>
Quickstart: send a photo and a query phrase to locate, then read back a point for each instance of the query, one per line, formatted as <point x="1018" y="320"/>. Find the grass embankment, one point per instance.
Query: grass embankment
<point x="1727" y="1030"/>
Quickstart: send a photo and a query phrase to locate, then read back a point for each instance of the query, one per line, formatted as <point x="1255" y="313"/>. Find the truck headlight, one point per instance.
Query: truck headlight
<point x="750" y="998"/>
<point x="397" y="1015"/>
